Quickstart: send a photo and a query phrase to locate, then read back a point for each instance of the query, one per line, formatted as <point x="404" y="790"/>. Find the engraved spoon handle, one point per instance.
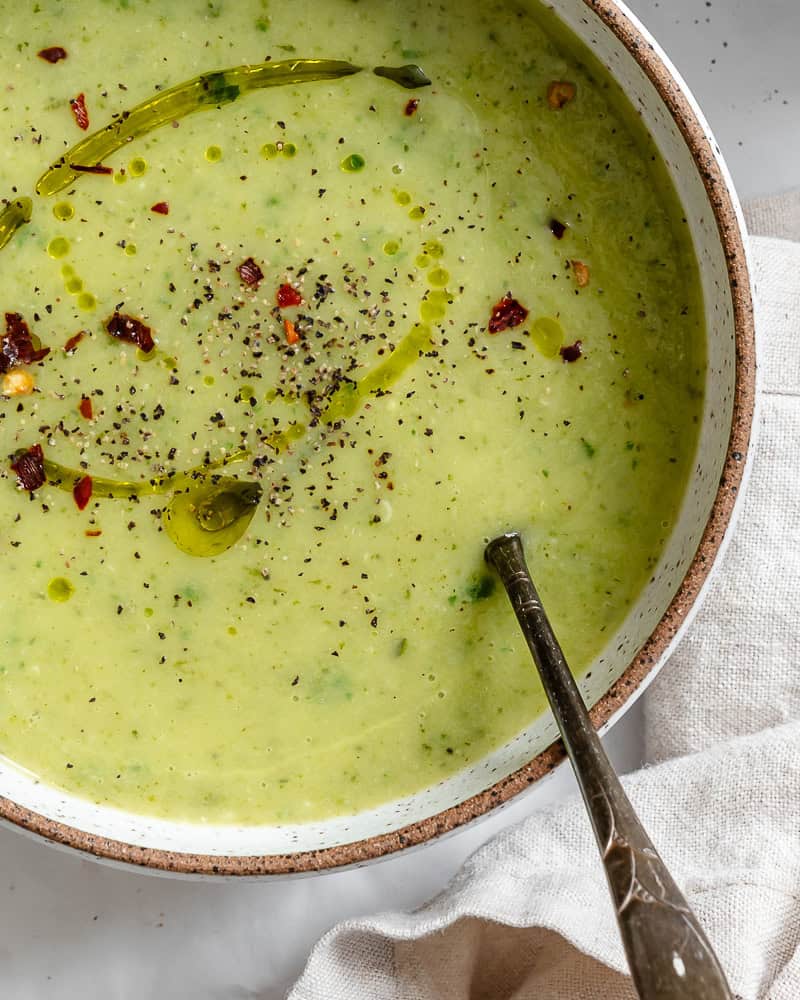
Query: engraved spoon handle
<point x="668" y="953"/>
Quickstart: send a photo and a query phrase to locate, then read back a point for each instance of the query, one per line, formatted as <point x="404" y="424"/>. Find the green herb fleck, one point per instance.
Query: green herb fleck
<point x="482" y="588"/>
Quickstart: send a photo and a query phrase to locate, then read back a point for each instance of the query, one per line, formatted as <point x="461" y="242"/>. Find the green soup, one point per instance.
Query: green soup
<point x="389" y="320"/>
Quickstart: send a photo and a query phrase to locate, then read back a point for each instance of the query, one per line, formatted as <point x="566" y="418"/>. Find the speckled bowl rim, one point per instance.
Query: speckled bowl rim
<point x="358" y="852"/>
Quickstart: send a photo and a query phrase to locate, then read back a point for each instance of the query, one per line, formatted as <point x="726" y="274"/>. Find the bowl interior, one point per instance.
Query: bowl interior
<point x="651" y="623"/>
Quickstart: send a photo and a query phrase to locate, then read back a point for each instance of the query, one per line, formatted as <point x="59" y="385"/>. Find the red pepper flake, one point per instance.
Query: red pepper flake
<point x="85" y="407"/>
<point x="18" y="347"/>
<point x="571" y="352"/>
<point x="30" y="469"/>
<point x="250" y="273"/>
<point x="79" y="112"/>
<point x="560" y="93"/>
<point x="506" y="314"/>
<point x="411" y="107"/>
<point x="288" y="296"/>
<point x="53" y="55"/>
<point x="581" y="272"/>
<point x="73" y="341"/>
<point x="160" y="208"/>
<point x="131" y="330"/>
<point x="292" y="336"/>
<point x="82" y="492"/>
<point x="93" y="532"/>
<point x="85" y="168"/>
<point x="557" y="228"/>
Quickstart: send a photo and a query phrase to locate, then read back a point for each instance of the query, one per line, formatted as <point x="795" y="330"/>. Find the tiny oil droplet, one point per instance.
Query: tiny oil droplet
<point x="547" y="335"/>
<point x="74" y="285"/>
<point x="433" y="248"/>
<point x="402" y="197"/>
<point x="438" y="277"/>
<point x="63" y="211"/>
<point x="67" y="270"/>
<point x="423" y="260"/>
<point x="208" y="379"/>
<point x="58" y="247"/>
<point x="417" y="212"/>
<point x="391" y="247"/>
<point x="137" y="167"/>
<point x="269" y="151"/>
<point x="353" y="163"/>
<point x="289" y="150"/>
<point x="130" y="249"/>
<point x="87" y="301"/>
<point x="213" y="154"/>
<point x="120" y="177"/>
<point x="60" y="589"/>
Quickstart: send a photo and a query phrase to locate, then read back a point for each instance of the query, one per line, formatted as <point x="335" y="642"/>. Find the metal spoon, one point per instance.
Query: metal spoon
<point x="668" y="953"/>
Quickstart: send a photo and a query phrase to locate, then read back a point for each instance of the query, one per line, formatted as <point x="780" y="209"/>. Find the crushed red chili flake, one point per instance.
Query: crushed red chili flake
<point x="93" y="532"/>
<point x="82" y="492"/>
<point x="581" y="272"/>
<point x="571" y="352"/>
<point x="557" y="228"/>
<point x="85" y="407"/>
<point x="85" y="168"/>
<point x="79" y="112"/>
<point x="18" y="347"/>
<point x="250" y="273"/>
<point x="73" y="341"/>
<point x="560" y="93"/>
<point x="506" y="314"/>
<point x="292" y="336"/>
<point x="131" y="330"/>
<point x="411" y="107"/>
<point x="53" y="54"/>
<point x="288" y="296"/>
<point x="160" y="208"/>
<point x="30" y="469"/>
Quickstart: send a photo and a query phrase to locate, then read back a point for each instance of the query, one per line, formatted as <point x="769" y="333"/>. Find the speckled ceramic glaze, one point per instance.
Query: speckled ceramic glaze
<point x="633" y="655"/>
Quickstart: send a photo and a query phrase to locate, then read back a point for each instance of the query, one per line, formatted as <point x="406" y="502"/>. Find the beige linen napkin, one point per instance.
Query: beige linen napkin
<point x="528" y="917"/>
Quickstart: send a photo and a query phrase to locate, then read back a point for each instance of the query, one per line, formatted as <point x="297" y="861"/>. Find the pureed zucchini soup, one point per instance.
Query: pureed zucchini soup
<point x="274" y="372"/>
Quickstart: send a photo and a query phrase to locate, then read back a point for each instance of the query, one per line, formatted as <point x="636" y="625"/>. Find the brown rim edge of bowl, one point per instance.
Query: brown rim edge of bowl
<point x="644" y="662"/>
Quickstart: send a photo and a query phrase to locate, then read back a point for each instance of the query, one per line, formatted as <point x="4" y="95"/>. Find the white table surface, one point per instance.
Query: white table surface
<point x="71" y="928"/>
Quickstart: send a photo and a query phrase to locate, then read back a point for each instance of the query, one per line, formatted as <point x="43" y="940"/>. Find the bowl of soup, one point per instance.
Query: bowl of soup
<point x="303" y="303"/>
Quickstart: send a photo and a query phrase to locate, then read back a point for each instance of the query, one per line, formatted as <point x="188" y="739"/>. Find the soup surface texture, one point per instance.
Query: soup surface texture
<point x="243" y="579"/>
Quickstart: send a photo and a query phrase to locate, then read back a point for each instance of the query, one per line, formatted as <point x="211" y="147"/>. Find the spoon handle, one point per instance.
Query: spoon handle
<point x="668" y="953"/>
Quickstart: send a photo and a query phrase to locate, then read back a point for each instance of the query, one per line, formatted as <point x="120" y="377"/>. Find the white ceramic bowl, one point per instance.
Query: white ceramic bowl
<point x="631" y="657"/>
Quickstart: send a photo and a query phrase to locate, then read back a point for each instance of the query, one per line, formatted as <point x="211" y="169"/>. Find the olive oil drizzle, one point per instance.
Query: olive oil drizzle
<point x="116" y="489"/>
<point x="209" y="512"/>
<point x="212" y="515"/>
<point x="350" y="395"/>
<point x="410" y="76"/>
<point x="15" y="215"/>
<point x="204" y="92"/>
